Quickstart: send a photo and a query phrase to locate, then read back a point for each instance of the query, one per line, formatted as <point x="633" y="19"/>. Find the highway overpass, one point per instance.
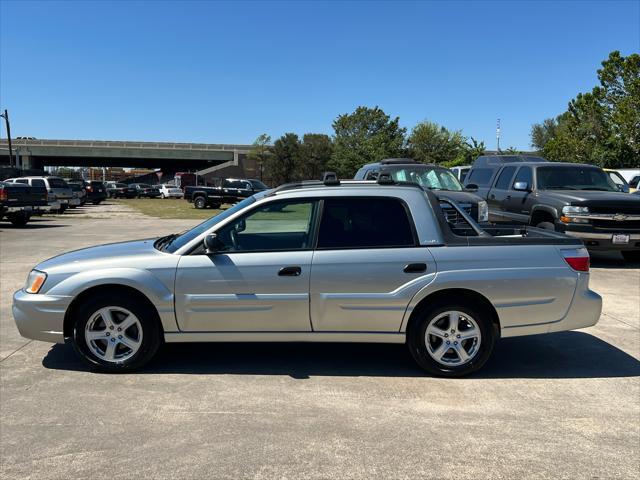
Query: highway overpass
<point x="168" y="156"/>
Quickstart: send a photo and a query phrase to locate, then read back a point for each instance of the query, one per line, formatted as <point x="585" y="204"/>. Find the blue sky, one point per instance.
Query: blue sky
<point x="224" y="72"/>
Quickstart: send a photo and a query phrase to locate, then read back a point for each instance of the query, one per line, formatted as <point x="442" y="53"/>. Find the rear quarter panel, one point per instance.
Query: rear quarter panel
<point x="529" y="285"/>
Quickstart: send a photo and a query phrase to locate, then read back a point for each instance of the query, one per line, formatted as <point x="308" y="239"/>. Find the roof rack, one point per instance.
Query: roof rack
<point x="330" y="178"/>
<point x="385" y="178"/>
<point x="398" y="161"/>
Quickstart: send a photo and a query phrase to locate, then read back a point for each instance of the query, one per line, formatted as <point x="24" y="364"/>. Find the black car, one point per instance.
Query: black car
<point x="121" y="190"/>
<point x="19" y="201"/>
<point x="96" y="191"/>
<point x="579" y="200"/>
<point x="432" y="177"/>
<point x="231" y="190"/>
<point x="146" y="190"/>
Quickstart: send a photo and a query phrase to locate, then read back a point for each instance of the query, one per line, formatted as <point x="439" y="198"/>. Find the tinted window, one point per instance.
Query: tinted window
<point x="480" y="176"/>
<point x="23" y="180"/>
<point x="75" y="187"/>
<point x="257" y="184"/>
<point x="575" y="178"/>
<point x="364" y="222"/>
<point x="503" y="179"/>
<point x="276" y="226"/>
<point x="236" y="184"/>
<point x="634" y="181"/>
<point x="463" y="174"/>
<point x="37" y="182"/>
<point x="56" y="182"/>
<point x="524" y="175"/>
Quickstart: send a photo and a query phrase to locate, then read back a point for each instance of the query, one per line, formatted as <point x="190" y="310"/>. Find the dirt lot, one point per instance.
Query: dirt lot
<point x="565" y="405"/>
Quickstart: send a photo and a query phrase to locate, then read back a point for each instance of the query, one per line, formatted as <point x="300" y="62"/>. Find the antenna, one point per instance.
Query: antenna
<point x="498" y="134"/>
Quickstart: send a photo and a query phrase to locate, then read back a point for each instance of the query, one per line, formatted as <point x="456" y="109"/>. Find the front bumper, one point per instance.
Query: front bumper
<point x="40" y="317"/>
<point x="604" y="241"/>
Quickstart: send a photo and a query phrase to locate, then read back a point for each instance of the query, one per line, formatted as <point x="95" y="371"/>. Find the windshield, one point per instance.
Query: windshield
<point x="574" y="178"/>
<point x="432" y="178"/>
<point x="258" y="184"/>
<point x="184" y="238"/>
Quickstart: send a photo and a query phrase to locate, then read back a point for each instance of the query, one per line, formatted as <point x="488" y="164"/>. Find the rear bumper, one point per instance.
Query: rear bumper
<point x="584" y="311"/>
<point x="40" y="317"/>
<point x="604" y="241"/>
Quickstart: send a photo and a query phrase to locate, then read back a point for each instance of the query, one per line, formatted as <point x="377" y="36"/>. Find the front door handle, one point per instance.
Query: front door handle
<point x="415" y="268"/>
<point x="290" y="271"/>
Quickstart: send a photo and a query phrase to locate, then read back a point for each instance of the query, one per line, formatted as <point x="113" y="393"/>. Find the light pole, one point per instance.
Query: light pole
<point x="5" y="115"/>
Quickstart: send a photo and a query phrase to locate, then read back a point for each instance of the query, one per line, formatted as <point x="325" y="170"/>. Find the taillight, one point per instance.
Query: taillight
<point x="577" y="258"/>
<point x="89" y="188"/>
<point x="3" y="194"/>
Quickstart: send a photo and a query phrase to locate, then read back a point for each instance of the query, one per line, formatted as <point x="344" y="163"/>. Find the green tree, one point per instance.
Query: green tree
<point x="364" y="136"/>
<point x="432" y="143"/>
<point x="315" y="153"/>
<point x="541" y="133"/>
<point x="260" y="152"/>
<point x="472" y="150"/>
<point x="602" y="126"/>
<point x="284" y="165"/>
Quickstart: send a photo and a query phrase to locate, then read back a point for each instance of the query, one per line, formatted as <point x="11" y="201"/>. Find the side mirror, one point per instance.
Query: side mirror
<point x="521" y="186"/>
<point x="212" y="243"/>
<point x="472" y="187"/>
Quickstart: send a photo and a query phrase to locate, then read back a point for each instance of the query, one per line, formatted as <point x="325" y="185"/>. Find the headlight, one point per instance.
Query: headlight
<point x="570" y="210"/>
<point x="569" y="214"/>
<point x="35" y="280"/>
<point x="483" y="211"/>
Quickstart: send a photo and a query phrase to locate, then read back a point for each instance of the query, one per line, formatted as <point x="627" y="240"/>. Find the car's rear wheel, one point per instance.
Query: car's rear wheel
<point x="451" y="340"/>
<point x="631" y="255"/>
<point x="199" y="202"/>
<point x="115" y="334"/>
<point x="19" y="219"/>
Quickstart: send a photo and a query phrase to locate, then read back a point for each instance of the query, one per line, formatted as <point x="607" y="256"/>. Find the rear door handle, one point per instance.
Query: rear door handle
<point x="290" y="271"/>
<point x="415" y="268"/>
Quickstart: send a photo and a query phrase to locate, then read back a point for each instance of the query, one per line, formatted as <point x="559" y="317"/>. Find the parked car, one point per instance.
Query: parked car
<point x="430" y="177"/>
<point x="120" y="190"/>
<point x="78" y="189"/>
<point x="461" y="172"/>
<point x="628" y="173"/>
<point x="231" y="190"/>
<point x="321" y="262"/>
<point x="59" y="192"/>
<point x="579" y="200"/>
<point x="145" y="190"/>
<point x="18" y="202"/>
<point x="96" y="191"/>
<point x="170" y="191"/>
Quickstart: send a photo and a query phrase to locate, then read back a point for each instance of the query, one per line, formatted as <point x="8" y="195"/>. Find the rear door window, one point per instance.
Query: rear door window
<point x="374" y="222"/>
<point x="504" y="179"/>
<point x="56" y="183"/>
<point x="37" y="182"/>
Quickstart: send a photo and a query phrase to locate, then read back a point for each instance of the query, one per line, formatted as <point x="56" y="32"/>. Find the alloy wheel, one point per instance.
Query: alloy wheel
<point x="453" y="338"/>
<point x="113" y="334"/>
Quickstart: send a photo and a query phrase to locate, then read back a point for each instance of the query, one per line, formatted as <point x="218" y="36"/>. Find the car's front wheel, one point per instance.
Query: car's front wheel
<point x="451" y="340"/>
<point x="115" y="334"/>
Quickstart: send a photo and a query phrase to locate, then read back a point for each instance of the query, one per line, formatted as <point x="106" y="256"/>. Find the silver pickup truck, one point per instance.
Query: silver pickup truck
<point x="351" y="261"/>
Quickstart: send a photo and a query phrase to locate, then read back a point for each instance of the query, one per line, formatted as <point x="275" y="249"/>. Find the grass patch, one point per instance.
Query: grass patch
<point x="168" y="208"/>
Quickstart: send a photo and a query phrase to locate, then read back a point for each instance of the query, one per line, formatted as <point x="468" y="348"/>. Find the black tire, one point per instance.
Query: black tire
<point x="151" y="332"/>
<point x="96" y="202"/>
<point x="19" y="219"/>
<point x="416" y="340"/>
<point x="546" y="226"/>
<point x="631" y="256"/>
<point x="200" y="202"/>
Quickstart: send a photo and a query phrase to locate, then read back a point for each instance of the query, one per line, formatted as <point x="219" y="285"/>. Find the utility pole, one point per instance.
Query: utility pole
<point x="498" y="134"/>
<point x="5" y="115"/>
